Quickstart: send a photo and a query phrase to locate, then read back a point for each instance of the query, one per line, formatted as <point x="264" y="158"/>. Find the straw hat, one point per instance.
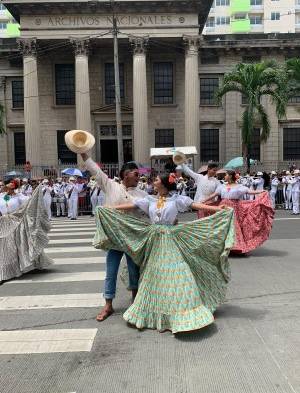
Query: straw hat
<point x="79" y="141"/>
<point x="179" y="157"/>
<point x="203" y="168"/>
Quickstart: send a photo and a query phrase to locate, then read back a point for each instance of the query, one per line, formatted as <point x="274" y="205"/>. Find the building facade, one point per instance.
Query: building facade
<point x="253" y="16"/>
<point x="60" y="76"/>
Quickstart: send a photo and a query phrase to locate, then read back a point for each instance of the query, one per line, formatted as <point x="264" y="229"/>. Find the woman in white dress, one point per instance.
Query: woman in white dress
<point x="253" y="218"/>
<point x="24" y="226"/>
<point x="10" y="201"/>
<point x="184" y="269"/>
<point x="47" y="190"/>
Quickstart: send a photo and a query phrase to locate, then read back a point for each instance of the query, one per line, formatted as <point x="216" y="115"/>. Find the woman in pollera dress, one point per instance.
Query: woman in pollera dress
<point x="184" y="268"/>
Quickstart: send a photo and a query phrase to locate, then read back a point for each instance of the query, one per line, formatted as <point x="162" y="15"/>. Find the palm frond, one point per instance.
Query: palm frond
<point x="226" y="88"/>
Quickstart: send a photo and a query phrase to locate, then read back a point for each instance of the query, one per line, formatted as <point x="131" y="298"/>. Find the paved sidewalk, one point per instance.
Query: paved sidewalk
<point x="51" y="343"/>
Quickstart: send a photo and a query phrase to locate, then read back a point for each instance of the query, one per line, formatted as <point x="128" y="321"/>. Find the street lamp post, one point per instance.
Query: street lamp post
<point x="117" y="91"/>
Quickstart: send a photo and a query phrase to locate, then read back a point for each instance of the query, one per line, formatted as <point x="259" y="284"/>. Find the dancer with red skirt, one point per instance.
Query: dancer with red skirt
<point x="253" y="219"/>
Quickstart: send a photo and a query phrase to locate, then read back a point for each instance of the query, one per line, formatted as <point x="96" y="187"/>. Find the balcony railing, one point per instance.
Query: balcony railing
<point x="240" y="25"/>
<point x="239" y="6"/>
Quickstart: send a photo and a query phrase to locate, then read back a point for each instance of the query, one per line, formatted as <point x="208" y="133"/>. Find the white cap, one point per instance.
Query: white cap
<point x="72" y="178"/>
<point x="59" y="179"/>
<point x="259" y="174"/>
<point x="296" y="172"/>
<point x="287" y="172"/>
<point x="273" y="173"/>
<point x="25" y="179"/>
<point x="45" y="181"/>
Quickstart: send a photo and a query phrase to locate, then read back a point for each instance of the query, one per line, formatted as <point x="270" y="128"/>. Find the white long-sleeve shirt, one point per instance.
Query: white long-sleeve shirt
<point x="295" y="182"/>
<point x="72" y="190"/>
<point x="115" y="193"/>
<point x="258" y="184"/>
<point x="205" y="185"/>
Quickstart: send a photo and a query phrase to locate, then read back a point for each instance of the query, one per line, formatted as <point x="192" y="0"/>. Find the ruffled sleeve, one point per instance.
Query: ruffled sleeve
<point x="183" y="203"/>
<point x="143" y="204"/>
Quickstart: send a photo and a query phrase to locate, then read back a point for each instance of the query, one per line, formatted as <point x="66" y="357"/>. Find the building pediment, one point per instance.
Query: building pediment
<point x="107" y="109"/>
<point x="19" y="8"/>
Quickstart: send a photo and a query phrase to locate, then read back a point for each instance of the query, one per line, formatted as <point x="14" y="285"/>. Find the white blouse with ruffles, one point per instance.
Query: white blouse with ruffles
<point x="168" y="213"/>
<point x="236" y="192"/>
<point x="13" y="204"/>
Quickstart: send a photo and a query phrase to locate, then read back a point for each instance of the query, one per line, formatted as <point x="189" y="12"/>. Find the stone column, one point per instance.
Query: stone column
<point x="3" y="140"/>
<point x="192" y="93"/>
<point x="31" y="102"/>
<point x="140" y="102"/>
<point x="82" y="84"/>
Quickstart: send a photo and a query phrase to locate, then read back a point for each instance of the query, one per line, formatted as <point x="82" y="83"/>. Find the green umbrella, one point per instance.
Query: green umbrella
<point x="237" y="162"/>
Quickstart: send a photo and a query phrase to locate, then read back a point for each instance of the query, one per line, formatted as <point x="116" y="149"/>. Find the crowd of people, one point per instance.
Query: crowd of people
<point x="178" y="272"/>
<point x="69" y="195"/>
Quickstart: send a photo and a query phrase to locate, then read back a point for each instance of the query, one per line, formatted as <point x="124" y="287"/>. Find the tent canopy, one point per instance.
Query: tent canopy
<point x="163" y="152"/>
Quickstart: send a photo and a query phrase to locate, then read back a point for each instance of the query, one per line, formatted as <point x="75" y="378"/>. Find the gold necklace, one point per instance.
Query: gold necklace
<point x="161" y="202"/>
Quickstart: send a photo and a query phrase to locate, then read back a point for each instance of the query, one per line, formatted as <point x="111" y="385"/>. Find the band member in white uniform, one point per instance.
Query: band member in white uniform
<point x="47" y="196"/>
<point x="97" y="197"/>
<point x="257" y="183"/>
<point x="26" y="188"/>
<point x="296" y="191"/>
<point x="59" y="195"/>
<point x="71" y="192"/>
<point x="287" y="190"/>
<point x="274" y="187"/>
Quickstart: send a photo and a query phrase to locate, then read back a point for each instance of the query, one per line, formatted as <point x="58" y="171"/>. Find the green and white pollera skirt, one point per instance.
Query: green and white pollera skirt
<point x="184" y="268"/>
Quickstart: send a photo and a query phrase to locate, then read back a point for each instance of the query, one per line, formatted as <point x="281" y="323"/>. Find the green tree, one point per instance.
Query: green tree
<point x="2" y="129"/>
<point x="292" y="68"/>
<point x="254" y="81"/>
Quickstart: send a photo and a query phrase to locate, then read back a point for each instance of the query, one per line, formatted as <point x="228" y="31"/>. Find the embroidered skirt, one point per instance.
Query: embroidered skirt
<point x="253" y="222"/>
<point x="184" y="268"/>
<point x="23" y="237"/>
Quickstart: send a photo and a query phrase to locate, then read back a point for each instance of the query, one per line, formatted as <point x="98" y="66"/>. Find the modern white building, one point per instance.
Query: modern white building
<point x="8" y="26"/>
<point x="253" y="16"/>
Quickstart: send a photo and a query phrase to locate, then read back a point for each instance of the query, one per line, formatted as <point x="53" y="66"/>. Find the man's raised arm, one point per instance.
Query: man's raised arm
<point x="101" y="178"/>
<point x="189" y="172"/>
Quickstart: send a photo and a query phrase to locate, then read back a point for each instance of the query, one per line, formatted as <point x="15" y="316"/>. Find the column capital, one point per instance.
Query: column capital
<point x="27" y="46"/>
<point x="81" y="46"/>
<point x="139" y="44"/>
<point x="192" y="43"/>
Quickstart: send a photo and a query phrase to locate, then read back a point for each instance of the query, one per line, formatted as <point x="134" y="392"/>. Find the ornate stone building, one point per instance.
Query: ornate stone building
<point x="59" y="76"/>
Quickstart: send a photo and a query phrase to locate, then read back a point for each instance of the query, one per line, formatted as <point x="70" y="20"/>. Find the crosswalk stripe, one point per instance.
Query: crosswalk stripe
<point x="57" y="250"/>
<point x="64" y="241"/>
<point x="51" y="301"/>
<point x="46" y="341"/>
<point x="60" y="277"/>
<point x="73" y="223"/>
<point x="73" y="230"/>
<point x="79" y="261"/>
<point x="65" y="233"/>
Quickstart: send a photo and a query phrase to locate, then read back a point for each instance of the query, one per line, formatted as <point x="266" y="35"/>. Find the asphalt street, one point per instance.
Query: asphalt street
<point x="50" y="341"/>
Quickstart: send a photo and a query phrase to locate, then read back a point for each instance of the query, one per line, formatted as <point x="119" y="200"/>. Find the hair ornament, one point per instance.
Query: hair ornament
<point x="172" y="178"/>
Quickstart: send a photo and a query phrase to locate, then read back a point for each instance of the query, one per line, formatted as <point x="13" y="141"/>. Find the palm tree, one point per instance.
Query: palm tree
<point x="254" y="81"/>
<point x="293" y="77"/>
<point x="2" y="129"/>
